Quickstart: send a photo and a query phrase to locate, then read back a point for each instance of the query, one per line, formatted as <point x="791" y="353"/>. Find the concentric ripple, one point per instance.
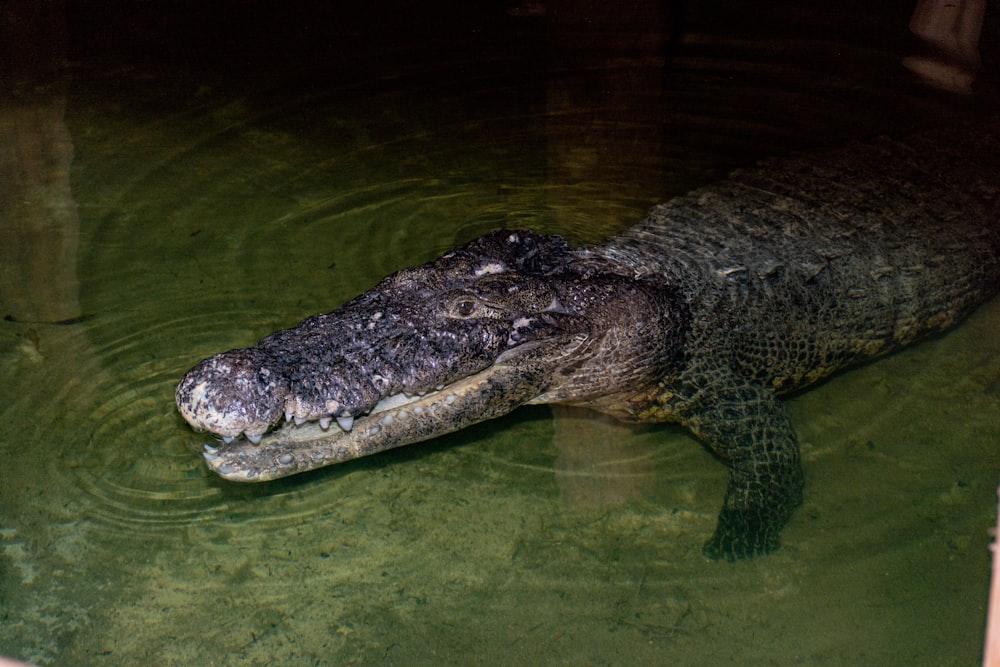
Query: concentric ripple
<point x="121" y="455"/>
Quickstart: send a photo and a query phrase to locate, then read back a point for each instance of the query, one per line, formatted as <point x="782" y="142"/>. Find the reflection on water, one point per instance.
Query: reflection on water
<point x="40" y="230"/>
<point x="163" y="200"/>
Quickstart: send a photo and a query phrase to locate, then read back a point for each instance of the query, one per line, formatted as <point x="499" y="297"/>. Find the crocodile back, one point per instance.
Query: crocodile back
<point x="805" y="265"/>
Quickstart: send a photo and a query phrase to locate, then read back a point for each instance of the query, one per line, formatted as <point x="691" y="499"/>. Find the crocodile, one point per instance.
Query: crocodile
<point x="705" y="313"/>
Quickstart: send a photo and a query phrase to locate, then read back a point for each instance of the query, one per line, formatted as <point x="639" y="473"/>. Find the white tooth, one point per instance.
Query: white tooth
<point x="346" y="423"/>
<point x="324" y="423"/>
<point x="228" y="438"/>
<point x="299" y="421"/>
<point x="209" y="448"/>
<point x="255" y="439"/>
<point x="288" y="415"/>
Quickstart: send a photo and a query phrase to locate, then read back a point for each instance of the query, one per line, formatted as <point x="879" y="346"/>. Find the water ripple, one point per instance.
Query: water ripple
<point x="123" y="457"/>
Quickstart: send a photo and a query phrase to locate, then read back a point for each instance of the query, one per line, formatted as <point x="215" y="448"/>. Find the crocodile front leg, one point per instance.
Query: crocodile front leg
<point x="748" y="428"/>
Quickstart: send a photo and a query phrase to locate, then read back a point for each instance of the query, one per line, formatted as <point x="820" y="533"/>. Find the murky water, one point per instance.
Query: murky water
<point x="180" y="184"/>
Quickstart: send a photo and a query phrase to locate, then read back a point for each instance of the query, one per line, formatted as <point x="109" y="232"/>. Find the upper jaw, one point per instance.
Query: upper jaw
<point x="206" y="407"/>
<point x="247" y="392"/>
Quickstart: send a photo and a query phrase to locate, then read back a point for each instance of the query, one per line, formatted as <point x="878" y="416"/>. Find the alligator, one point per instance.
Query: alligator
<point x="704" y="313"/>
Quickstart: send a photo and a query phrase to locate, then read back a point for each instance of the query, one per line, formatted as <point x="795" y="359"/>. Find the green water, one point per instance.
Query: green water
<point x="168" y="196"/>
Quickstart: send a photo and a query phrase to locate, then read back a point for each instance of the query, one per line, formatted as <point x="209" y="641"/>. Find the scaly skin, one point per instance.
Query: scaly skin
<point x="704" y="314"/>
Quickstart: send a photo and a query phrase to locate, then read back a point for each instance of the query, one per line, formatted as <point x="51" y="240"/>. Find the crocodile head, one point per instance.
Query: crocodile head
<point x="508" y="319"/>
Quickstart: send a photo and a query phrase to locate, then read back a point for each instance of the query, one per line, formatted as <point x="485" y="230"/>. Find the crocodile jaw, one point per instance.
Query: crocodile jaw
<point x="395" y="421"/>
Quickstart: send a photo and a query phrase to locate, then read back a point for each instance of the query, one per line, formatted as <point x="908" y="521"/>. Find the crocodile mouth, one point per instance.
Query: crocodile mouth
<point x="395" y="421"/>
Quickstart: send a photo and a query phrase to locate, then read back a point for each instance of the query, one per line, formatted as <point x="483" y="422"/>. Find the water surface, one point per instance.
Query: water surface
<point x="183" y="183"/>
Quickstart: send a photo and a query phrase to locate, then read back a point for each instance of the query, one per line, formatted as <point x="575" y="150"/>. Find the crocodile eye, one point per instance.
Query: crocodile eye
<point x="468" y="306"/>
<point x="465" y="308"/>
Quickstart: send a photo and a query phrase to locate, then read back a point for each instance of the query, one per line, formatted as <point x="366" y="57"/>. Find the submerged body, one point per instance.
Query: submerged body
<point x="703" y="314"/>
